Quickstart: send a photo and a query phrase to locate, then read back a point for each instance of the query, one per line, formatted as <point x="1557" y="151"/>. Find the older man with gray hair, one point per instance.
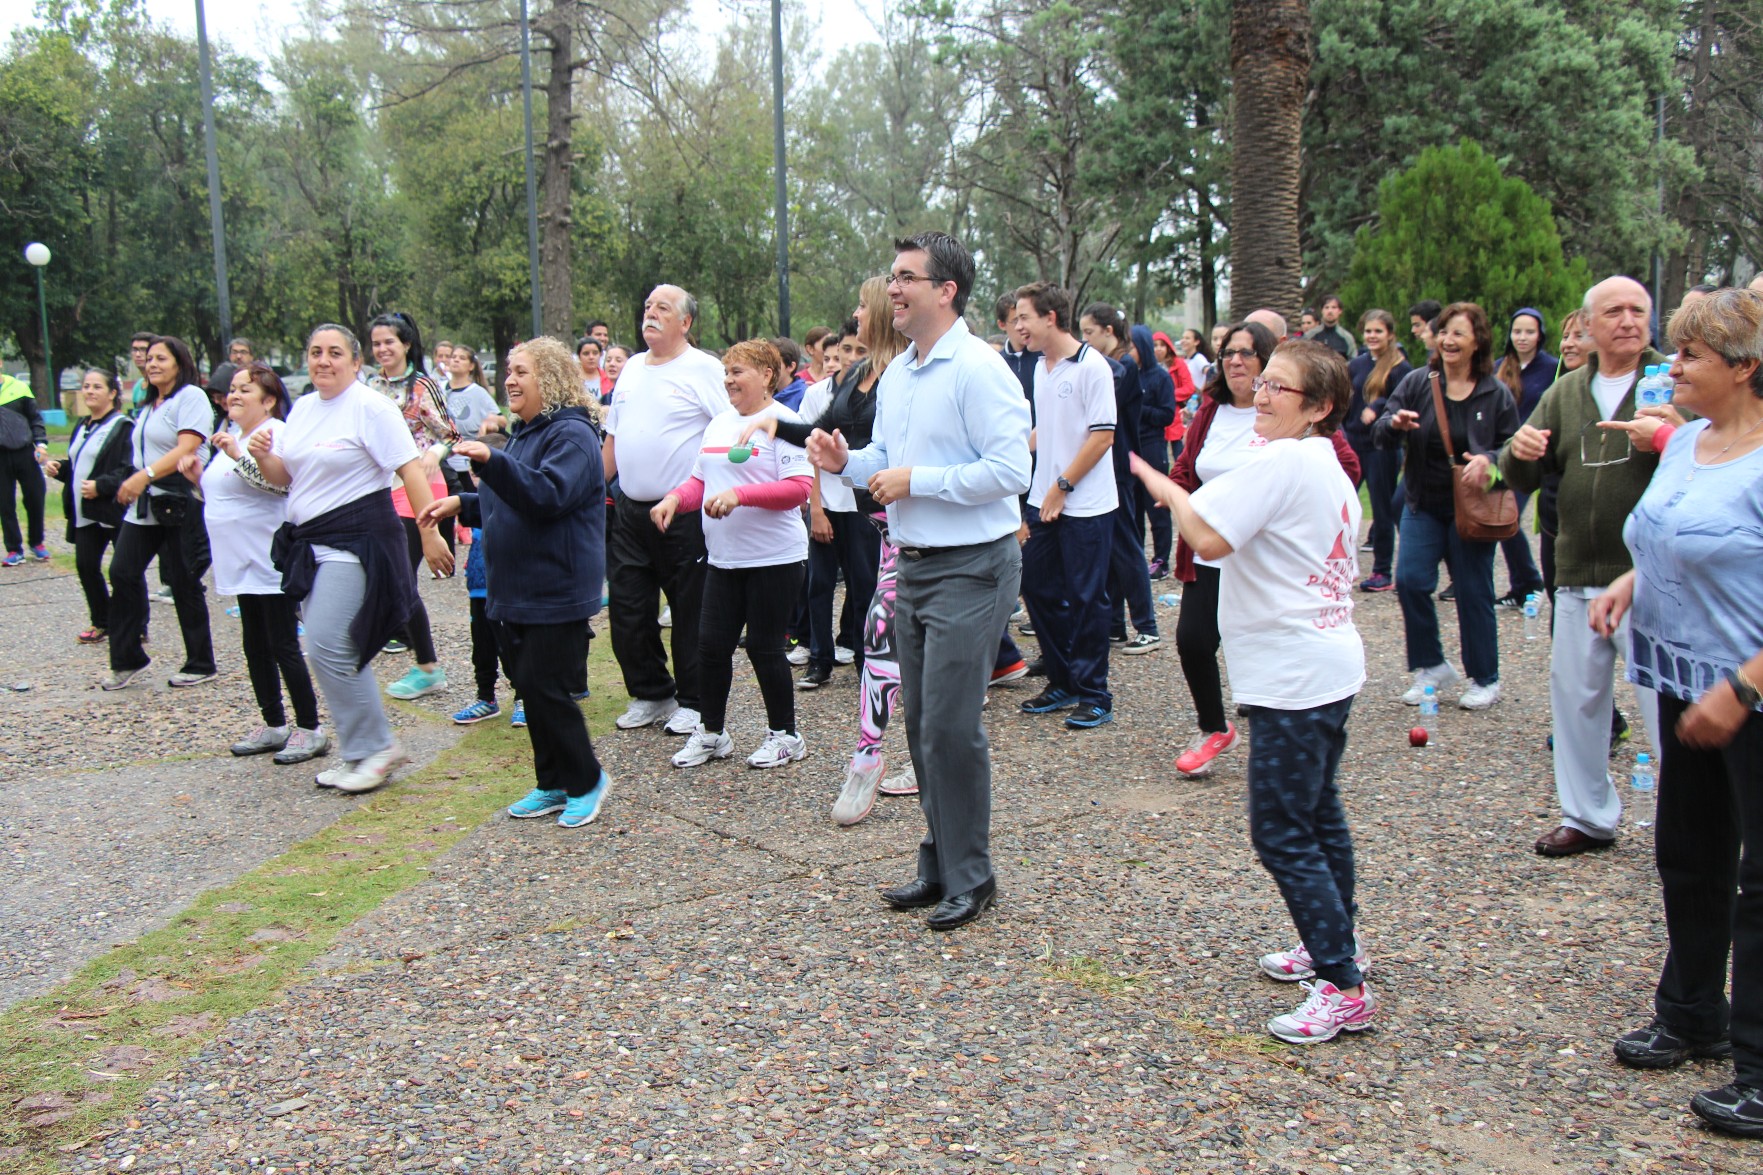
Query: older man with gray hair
<point x="1602" y="477"/>
<point x="654" y="427"/>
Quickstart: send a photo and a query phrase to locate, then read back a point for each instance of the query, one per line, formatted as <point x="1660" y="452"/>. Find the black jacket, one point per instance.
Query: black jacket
<point x="1157" y="409"/>
<point x="542" y="506"/>
<point x="1359" y="369"/>
<point x="1426" y="478"/>
<point x="371" y="531"/>
<point x="110" y="469"/>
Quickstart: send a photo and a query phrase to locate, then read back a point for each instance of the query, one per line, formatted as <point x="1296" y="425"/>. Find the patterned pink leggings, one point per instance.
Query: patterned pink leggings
<point x="881" y="662"/>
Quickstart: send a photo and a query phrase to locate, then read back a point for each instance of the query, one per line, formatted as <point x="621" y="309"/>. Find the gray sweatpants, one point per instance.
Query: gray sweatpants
<point x="1582" y="689"/>
<point x="352" y="695"/>
<point x="950" y="608"/>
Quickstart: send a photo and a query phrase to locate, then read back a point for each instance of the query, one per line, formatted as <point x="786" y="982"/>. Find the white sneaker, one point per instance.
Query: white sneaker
<point x="1324" y="1015"/>
<point x="329" y="778"/>
<point x="1295" y="964"/>
<point x="373" y="771"/>
<point x="703" y="747"/>
<point x="797" y="656"/>
<point x="667" y="616"/>
<point x="1438" y="677"/>
<point x="1480" y="697"/>
<point x="778" y="750"/>
<point x="857" y="797"/>
<point x="843" y="656"/>
<point x="901" y="783"/>
<point x="684" y="721"/>
<point x="644" y="712"/>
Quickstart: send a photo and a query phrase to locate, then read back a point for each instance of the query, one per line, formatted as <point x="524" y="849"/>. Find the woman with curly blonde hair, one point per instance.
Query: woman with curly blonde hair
<point x="541" y="506"/>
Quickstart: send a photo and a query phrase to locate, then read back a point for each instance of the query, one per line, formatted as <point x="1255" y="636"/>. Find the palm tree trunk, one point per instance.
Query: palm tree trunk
<point x="1270" y="72"/>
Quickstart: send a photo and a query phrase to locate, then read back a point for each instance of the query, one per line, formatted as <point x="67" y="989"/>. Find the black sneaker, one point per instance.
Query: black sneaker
<point x="1048" y="700"/>
<point x="1449" y="595"/>
<point x="1037" y="668"/>
<point x="1657" y="1046"/>
<point x="1117" y="639"/>
<point x="1088" y="717"/>
<point x="814" y="678"/>
<point x="1732" y="1109"/>
<point x="1509" y="600"/>
<point x="1618" y="730"/>
<point x="395" y="646"/>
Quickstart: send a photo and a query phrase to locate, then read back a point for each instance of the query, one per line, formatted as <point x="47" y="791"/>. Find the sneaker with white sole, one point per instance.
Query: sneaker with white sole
<point x="261" y="741"/>
<point x="538" y="802"/>
<point x="184" y="678"/>
<point x="373" y="771"/>
<point x="1479" y="697"/>
<point x="797" y="656"/>
<point x="901" y="783"/>
<point x="419" y="682"/>
<point x="1325" y="1014"/>
<point x="584" y="809"/>
<point x="779" y="749"/>
<point x="857" y="797"/>
<point x="646" y="712"/>
<point x="1203" y="749"/>
<point x="703" y="747"/>
<point x="476" y="712"/>
<point x="120" y="678"/>
<point x="1144" y="642"/>
<point x="1295" y="964"/>
<point x="684" y="721"/>
<point x="329" y="778"/>
<point x="843" y="656"/>
<point x="303" y="745"/>
<point x="1438" y="676"/>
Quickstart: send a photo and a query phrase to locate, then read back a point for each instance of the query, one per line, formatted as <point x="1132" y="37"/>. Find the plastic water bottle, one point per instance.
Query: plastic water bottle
<point x="1169" y="599"/>
<point x="1533" y="616"/>
<point x="1642" y="783"/>
<point x="1429" y="713"/>
<point x="1650" y="393"/>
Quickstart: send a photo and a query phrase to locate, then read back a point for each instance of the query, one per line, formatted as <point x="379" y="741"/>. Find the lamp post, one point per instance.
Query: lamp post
<point x="37" y="254"/>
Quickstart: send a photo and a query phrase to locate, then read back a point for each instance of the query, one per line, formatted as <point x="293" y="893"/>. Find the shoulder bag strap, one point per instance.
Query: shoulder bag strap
<point x="1438" y="407"/>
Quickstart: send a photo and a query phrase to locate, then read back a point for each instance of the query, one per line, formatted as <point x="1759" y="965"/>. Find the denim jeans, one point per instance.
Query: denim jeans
<point x="1065" y="585"/>
<point x="856" y="550"/>
<point x="1426" y="539"/>
<point x="1300" y="830"/>
<point x="1521" y="568"/>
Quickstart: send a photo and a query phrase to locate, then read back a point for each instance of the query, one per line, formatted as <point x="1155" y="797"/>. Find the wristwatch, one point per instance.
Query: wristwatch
<point x="1064" y="485"/>
<point x="1741" y="685"/>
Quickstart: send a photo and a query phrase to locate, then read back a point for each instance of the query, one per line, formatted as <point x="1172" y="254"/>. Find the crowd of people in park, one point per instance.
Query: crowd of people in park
<point x="969" y="490"/>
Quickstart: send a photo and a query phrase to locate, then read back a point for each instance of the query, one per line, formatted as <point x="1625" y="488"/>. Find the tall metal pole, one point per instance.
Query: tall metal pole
<point x="532" y="189"/>
<point x="777" y="151"/>
<point x="216" y="224"/>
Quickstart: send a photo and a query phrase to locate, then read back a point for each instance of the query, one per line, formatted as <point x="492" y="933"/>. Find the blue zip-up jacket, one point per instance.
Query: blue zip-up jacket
<point x="1157" y="410"/>
<point x="542" y="514"/>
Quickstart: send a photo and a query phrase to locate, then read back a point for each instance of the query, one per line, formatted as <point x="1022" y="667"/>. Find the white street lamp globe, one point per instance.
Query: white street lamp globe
<point x="37" y="253"/>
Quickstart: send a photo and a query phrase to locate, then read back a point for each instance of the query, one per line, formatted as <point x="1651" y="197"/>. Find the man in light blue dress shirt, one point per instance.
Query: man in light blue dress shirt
<point x="948" y="459"/>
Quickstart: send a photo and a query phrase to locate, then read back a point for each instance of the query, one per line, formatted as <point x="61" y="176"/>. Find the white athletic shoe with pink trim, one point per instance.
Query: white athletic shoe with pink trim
<point x="1295" y="964"/>
<point x="1325" y="1015"/>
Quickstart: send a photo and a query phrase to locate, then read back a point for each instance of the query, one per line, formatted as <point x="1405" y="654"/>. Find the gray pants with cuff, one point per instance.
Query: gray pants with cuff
<point x="1582" y="689"/>
<point x="351" y="694"/>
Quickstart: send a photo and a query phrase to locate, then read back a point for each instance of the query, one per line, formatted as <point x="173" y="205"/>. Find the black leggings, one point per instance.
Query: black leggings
<point x="1196" y="639"/>
<point x="760" y="598"/>
<point x="417" y="633"/>
<point x="270" y="632"/>
<point x="89" y="543"/>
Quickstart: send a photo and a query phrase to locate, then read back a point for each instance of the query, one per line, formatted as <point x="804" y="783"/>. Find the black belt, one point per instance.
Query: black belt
<point x="924" y="552"/>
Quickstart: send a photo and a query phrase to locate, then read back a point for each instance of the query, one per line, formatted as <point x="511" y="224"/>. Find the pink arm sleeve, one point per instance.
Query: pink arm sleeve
<point x="787" y="494"/>
<point x="690" y="493"/>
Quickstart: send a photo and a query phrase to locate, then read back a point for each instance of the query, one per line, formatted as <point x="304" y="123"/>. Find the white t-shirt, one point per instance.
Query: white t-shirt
<point x="468" y="406"/>
<point x="156" y="434"/>
<point x="1285" y="594"/>
<point x="340" y="450"/>
<point x="1608" y="391"/>
<point x="242" y="520"/>
<point x="658" y="414"/>
<point x="752" y="536"/>
<point x="1073" y="400"/>
<point x="1230" y="442"/>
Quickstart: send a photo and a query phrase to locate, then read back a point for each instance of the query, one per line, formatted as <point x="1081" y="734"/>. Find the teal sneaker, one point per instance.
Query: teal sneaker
<point x="417" y="683"/>
<point x="518" y="718"/>
<point x="538" y="802"/>
<point x="582" y="810"/>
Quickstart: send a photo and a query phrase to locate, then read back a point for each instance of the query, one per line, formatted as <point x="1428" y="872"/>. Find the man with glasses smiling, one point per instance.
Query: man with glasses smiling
<point x="1602" y="478"/>
<point x="948" y="457"/>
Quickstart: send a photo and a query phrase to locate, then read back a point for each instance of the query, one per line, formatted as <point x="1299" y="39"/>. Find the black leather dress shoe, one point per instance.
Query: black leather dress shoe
<point x="1658" y="1046"/>
<point x="963" y="908"/>
<point x="914" y="895"/>
<point x="1732" y="1109"/>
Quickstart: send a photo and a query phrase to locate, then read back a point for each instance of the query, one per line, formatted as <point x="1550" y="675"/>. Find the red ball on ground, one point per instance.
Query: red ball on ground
<point x="1418" y="737"/>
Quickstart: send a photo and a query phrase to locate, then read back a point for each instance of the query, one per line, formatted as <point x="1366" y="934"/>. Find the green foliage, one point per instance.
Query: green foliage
<point x="1452" y="227"/>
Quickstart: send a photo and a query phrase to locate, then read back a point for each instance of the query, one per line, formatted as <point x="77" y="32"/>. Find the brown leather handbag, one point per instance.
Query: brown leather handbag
<point x="1483" y="515"/>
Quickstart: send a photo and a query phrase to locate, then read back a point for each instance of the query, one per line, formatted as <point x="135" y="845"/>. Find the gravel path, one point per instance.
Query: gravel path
<point x="705" y="979"/>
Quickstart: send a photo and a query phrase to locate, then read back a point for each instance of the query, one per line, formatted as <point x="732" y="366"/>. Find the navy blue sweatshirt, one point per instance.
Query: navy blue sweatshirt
<point x="1157" y="410"/>
<point x="542" y="509"/>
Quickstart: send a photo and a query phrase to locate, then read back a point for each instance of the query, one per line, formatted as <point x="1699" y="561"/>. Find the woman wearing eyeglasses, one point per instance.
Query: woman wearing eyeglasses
<point x="1482" y="416"/>
<point x="1221" y="438"/>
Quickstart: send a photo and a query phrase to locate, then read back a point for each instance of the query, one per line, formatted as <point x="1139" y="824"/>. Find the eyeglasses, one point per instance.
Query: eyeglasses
<point x="1243" y="353"/>
<point x="905" y="280"/>
<point x="1262" y="384"/>
<point x="1604" y="435"/>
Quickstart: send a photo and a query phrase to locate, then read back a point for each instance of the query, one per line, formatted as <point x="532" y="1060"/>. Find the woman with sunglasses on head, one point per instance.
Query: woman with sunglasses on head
<point x="96" y="465"/>
<point x="175" y="421"/>
<point x="397" y="354"/>
<point x="1284" y="525"/>
<point x="243" y="511"/>
<point x="1221" y="438"/>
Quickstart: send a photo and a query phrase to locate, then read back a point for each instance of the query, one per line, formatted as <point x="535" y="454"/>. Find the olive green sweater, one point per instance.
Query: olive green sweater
<point x="1593" y="503"/>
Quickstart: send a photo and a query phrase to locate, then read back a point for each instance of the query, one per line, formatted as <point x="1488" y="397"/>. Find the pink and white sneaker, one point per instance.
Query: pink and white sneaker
<point x="1325" y="1015"/>
<point x="1196" y="759"/>
<point x="1295" y="964"/>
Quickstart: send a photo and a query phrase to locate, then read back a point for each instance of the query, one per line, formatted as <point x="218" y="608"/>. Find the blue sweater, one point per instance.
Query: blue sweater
<point x="542" y="514"/>
<point x="1157" y="410"/>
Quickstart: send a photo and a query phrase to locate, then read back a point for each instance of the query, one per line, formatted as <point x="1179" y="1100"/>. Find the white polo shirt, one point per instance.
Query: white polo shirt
<point x="658" y="415"/>
<point x="1073" y="400"/>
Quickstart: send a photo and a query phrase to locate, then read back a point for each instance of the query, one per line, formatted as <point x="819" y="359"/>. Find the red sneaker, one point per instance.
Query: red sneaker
<point x="1197" y="759"/>
<point x="1014" y="672"/>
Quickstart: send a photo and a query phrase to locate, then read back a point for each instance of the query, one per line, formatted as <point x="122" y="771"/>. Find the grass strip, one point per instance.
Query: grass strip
<point x="84" y="1054"/>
